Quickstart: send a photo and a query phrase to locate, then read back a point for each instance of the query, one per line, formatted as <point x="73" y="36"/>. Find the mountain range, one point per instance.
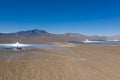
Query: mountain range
<point x="41" y="36"/>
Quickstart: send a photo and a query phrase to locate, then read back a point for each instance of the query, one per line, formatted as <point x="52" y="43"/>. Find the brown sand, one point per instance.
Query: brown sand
<point x="86" y="62"/>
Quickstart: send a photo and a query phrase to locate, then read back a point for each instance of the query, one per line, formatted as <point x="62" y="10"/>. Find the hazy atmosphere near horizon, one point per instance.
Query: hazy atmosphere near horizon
<point x="90" y="17"/>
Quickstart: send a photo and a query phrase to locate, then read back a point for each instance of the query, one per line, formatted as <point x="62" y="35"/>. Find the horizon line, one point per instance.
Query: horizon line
<point x="58" y="33"/>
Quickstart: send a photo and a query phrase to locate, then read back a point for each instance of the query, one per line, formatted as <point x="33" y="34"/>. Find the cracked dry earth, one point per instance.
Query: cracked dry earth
<point x="86" y="62"/>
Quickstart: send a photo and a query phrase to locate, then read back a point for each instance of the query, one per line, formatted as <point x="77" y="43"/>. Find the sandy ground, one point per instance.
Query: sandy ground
<point x="85" y="62"/>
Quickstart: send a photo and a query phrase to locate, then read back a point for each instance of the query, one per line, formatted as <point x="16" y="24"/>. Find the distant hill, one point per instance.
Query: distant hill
<point x="28" y="33"/>
<point x="41" y="36"/>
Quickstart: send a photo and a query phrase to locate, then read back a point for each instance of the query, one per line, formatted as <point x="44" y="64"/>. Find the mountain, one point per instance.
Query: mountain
<point x="34" y="32"/>
<point x="41" y="36"/>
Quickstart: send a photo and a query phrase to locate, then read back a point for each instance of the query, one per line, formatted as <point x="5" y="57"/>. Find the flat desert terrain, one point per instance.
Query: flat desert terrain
<point x="81" y="62"/>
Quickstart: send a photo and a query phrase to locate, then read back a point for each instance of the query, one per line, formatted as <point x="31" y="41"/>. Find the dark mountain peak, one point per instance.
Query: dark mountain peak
<point x="37" y="31"/>
<point x="33" y="32"/>
<point x="28" y="33"/>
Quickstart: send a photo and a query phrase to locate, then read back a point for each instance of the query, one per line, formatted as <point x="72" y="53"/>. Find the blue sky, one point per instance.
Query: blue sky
<point x="91" y="17"/>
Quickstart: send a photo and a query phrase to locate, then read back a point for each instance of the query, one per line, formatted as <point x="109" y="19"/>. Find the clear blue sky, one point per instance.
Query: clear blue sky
<point x="91" y="17"/>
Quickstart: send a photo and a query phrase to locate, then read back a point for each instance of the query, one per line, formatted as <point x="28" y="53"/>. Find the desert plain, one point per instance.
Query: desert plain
<point x="71" y="62"/>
